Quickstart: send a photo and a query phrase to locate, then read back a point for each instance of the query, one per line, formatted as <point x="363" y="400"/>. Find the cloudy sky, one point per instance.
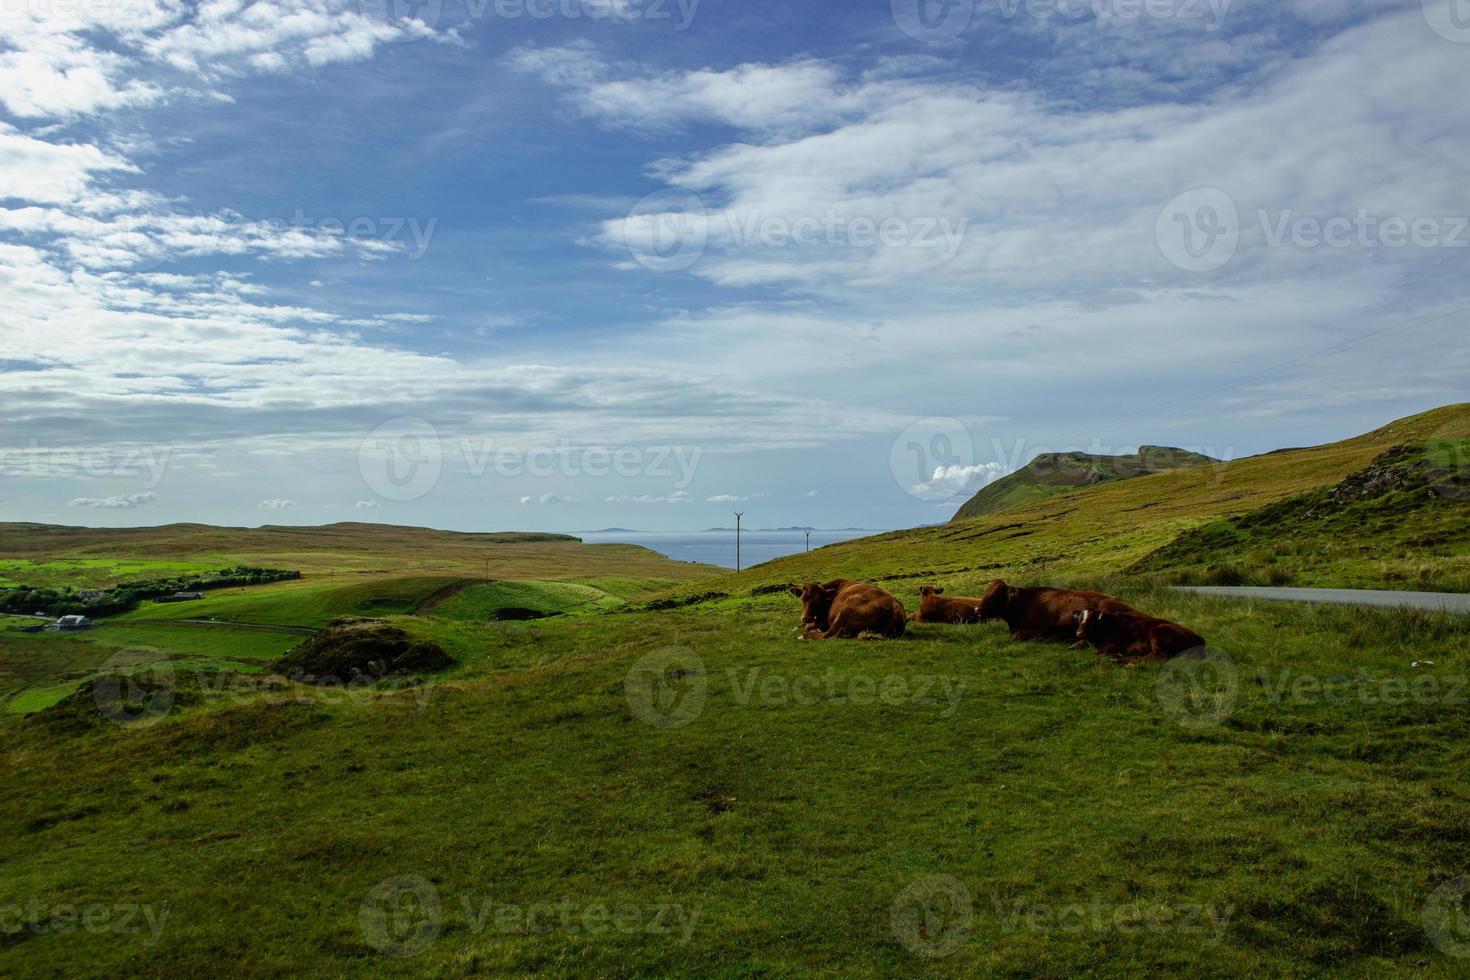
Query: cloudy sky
<point x="564" y="264"/>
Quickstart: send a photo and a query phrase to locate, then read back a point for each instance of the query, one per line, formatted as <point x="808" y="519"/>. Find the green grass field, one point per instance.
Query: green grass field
<point x="697" y="791"/>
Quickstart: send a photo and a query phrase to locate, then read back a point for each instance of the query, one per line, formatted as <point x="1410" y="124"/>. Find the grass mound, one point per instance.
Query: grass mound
<point x="488" y="601"/>
<point x="1404" y="518"/>
<point x="121" y="698"/>
<point x="350" y="649"/>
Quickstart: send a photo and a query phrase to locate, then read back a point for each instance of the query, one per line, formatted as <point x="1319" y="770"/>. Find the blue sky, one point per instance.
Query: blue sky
<point x="640" y="263"/>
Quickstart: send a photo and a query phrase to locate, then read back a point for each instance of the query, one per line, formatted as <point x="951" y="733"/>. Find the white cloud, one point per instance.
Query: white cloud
<point x="956" y="480"/>
<point x="677" y="497"/>
<point x="366" y="505"/>
<point x="72" y="58"/>
<point x="725" y="498"/>
<point x="549" y="499"/>
<point x="122" y="502"/>
<point x="277" y="503"/>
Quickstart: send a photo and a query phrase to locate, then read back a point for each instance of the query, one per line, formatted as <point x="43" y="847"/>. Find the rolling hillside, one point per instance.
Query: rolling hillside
<point x="1054" y="473"/>
<point x="1108" y="529"/>
<point x="744" y="802"/>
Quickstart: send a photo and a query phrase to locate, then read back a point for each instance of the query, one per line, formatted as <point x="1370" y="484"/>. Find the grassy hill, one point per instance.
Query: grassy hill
<point x="695" y="791"/>
<point x="1050" y="474"/>
<point x="1106" y="530"/>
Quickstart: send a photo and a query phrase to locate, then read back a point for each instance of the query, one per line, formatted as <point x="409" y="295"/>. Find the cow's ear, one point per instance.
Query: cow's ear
<point x="939" y="591"/>
<point x="796" y="591"/>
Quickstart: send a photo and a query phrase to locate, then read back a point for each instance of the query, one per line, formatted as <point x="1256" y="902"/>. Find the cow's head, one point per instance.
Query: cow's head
<point x="816" y="604"/>
<point x="996" y="600"/>
<point x="1090" y="622"/>
<point x="927" y="590"/>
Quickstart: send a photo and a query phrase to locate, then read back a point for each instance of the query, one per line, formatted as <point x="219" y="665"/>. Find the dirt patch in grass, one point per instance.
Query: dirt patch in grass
<point x="349" y="649"/>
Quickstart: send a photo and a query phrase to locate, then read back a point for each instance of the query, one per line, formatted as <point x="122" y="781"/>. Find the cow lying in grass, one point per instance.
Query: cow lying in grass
<point x="842" y="609"/>
<point x="1133" y="637"/>
<point x="1042" y="611"/>
<point x="936" y="607"/>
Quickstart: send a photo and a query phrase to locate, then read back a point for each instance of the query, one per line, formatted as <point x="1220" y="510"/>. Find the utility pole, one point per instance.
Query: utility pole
<point x="738" y="514"/>
<point x="808" y="541"/>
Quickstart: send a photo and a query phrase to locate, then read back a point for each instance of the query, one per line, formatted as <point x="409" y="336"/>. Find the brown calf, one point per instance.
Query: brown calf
<point x="936" y="607"/>
<point x="1134" y="637"/>
<point x="1042" y="611"/>
<point x="843" y="609"/>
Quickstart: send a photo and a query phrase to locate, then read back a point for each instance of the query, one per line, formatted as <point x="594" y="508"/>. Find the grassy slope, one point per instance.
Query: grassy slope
<point x="1057" y="473"/>
<point x="1317" y="824"/>
<point x="789" y="828"/>
<point x="1099" y="531"/>
<point x="364" y="570"/>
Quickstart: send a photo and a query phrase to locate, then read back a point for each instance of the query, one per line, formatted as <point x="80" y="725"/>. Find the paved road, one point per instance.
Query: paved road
<point x="1432" y="601"/>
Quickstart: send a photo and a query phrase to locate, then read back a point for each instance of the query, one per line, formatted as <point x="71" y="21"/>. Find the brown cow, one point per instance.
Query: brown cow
<point x="1133" y="637"/>
<point x="935" y="607"/>
<point x="1042" y="611"/>
<point x="842" y="609"/>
